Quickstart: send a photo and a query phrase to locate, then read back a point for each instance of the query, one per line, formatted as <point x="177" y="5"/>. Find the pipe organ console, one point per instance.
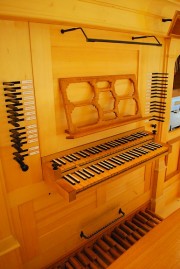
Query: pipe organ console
<point x="73" y="150"/>
<point x="73" y="171"/>
<point x="76" y="170"/>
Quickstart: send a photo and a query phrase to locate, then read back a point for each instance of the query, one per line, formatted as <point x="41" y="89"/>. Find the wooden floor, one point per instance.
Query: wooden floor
<point x="159" y="249"/>
<point x="170" y="208"/>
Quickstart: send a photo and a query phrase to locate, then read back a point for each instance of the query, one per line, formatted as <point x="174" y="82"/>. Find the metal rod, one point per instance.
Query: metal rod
<point x="146" y="36"/>
<point x="82" y="235"/>
<point x="113" y="41"/>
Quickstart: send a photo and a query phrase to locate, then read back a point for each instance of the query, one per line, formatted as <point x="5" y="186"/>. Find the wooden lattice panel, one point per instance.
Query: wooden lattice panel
<point x="93" y="104"/>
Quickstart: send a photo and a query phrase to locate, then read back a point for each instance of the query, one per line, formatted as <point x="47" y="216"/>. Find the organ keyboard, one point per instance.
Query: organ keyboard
<point x="80" y="168"/>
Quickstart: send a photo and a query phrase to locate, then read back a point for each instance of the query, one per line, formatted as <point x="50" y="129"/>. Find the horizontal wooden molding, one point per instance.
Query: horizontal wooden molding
<point x="8" y="244"/>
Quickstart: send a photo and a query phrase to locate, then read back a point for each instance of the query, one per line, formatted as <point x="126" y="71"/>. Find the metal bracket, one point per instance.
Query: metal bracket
<point x="165" y="20"/>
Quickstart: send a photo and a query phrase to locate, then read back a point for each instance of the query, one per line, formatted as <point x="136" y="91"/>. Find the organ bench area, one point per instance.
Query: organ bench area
<point x="71" y="172"/>
<point x="104" y="250"/>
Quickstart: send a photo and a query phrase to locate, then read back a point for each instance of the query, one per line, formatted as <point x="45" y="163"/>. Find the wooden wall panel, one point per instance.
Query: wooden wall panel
<point x="11" y="260"/>
<point x="5" y="228"/>
<point x="66" y="56"/>
<point x="137" y="16"/>
<point x="56" y="215"/>
<point x="127" y="187"/>
<point x="15" y="65"/>
<point x="59" y="223"/>
<point x="29" y="233"/>
<point x="173" y="160"/>
<point x="171" y="193"/>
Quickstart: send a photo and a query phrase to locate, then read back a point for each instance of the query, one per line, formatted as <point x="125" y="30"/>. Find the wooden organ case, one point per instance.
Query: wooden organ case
<point x="87" y="172"/>
<point x="97" y="165"/>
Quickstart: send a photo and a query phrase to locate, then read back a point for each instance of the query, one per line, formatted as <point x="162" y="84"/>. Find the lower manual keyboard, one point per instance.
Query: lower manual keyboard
<point x="84" y="177"/>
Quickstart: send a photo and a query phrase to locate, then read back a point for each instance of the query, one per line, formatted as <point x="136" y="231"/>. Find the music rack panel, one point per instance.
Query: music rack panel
<point x="71" y="172"/>
<point x="93" y="104"/>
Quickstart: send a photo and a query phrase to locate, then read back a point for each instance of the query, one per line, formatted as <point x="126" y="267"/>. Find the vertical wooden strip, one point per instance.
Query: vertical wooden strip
<point x="101" y="196"/>
<point x="43" y="82"/>
<point x="28" y="226"/>
<point x="5" y="226"/>
<point x="148" y="176"/>
<point x="15" y="55"/>
<point x="158" y="185"/>
<point x="11" y="260"/>
<point x="9" y="255"/>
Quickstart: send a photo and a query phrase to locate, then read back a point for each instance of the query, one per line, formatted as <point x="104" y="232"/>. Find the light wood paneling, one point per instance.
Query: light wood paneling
<point x="77" y="215"/>
<point x="11" y="260"/>
<point x="60" y="55"/>
<point x="15" y="65"/>
<point x="173" y="160"/>
<point x="44" y="224"/>
<point x="5" y="228"/>
<point x="155" y="252"/>
<point x="171" y="193"/>
<point x="137" y="16"/>
<point x="127" y="187"/>
<point x="28" y="227"/>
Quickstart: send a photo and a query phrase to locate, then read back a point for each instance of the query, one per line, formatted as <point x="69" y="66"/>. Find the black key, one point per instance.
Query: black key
<point x="69" y="180"/>
<point x="111" y="164"/>
<point x="77" y="158"/>
<point x="67" y="158"/>
<point x="81" y="154"/>
<point x="94" y="170"/>
<point x="127" y="156"/>
<point x="83" y="172"/>
<point x="88" y="172"/>
<point x="110" y="144"/>
<point x="102" y="147"/>
<point x="142" y="151"/>
<point x="90" y="150"/>
<point x="74" y="178"/>
<point x="97" y="149"/>
<point x="74" y="158"/>
<point x="104" y="166"/>
<point x="148" y="147"/>
<point x="107" y="163"/>
<point x="123" y="158"/>
<point x="156" y="145"/>
<point x="80" y="175"/>
<point x="61" y="161"/>
<point x="118" y="157"/>
<point x="98" y="168"/>
<point x="135" y="153"/>
<point x="121" y="140"/>
<point x="113" y="159"/>
<point x="56" y="162"/>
